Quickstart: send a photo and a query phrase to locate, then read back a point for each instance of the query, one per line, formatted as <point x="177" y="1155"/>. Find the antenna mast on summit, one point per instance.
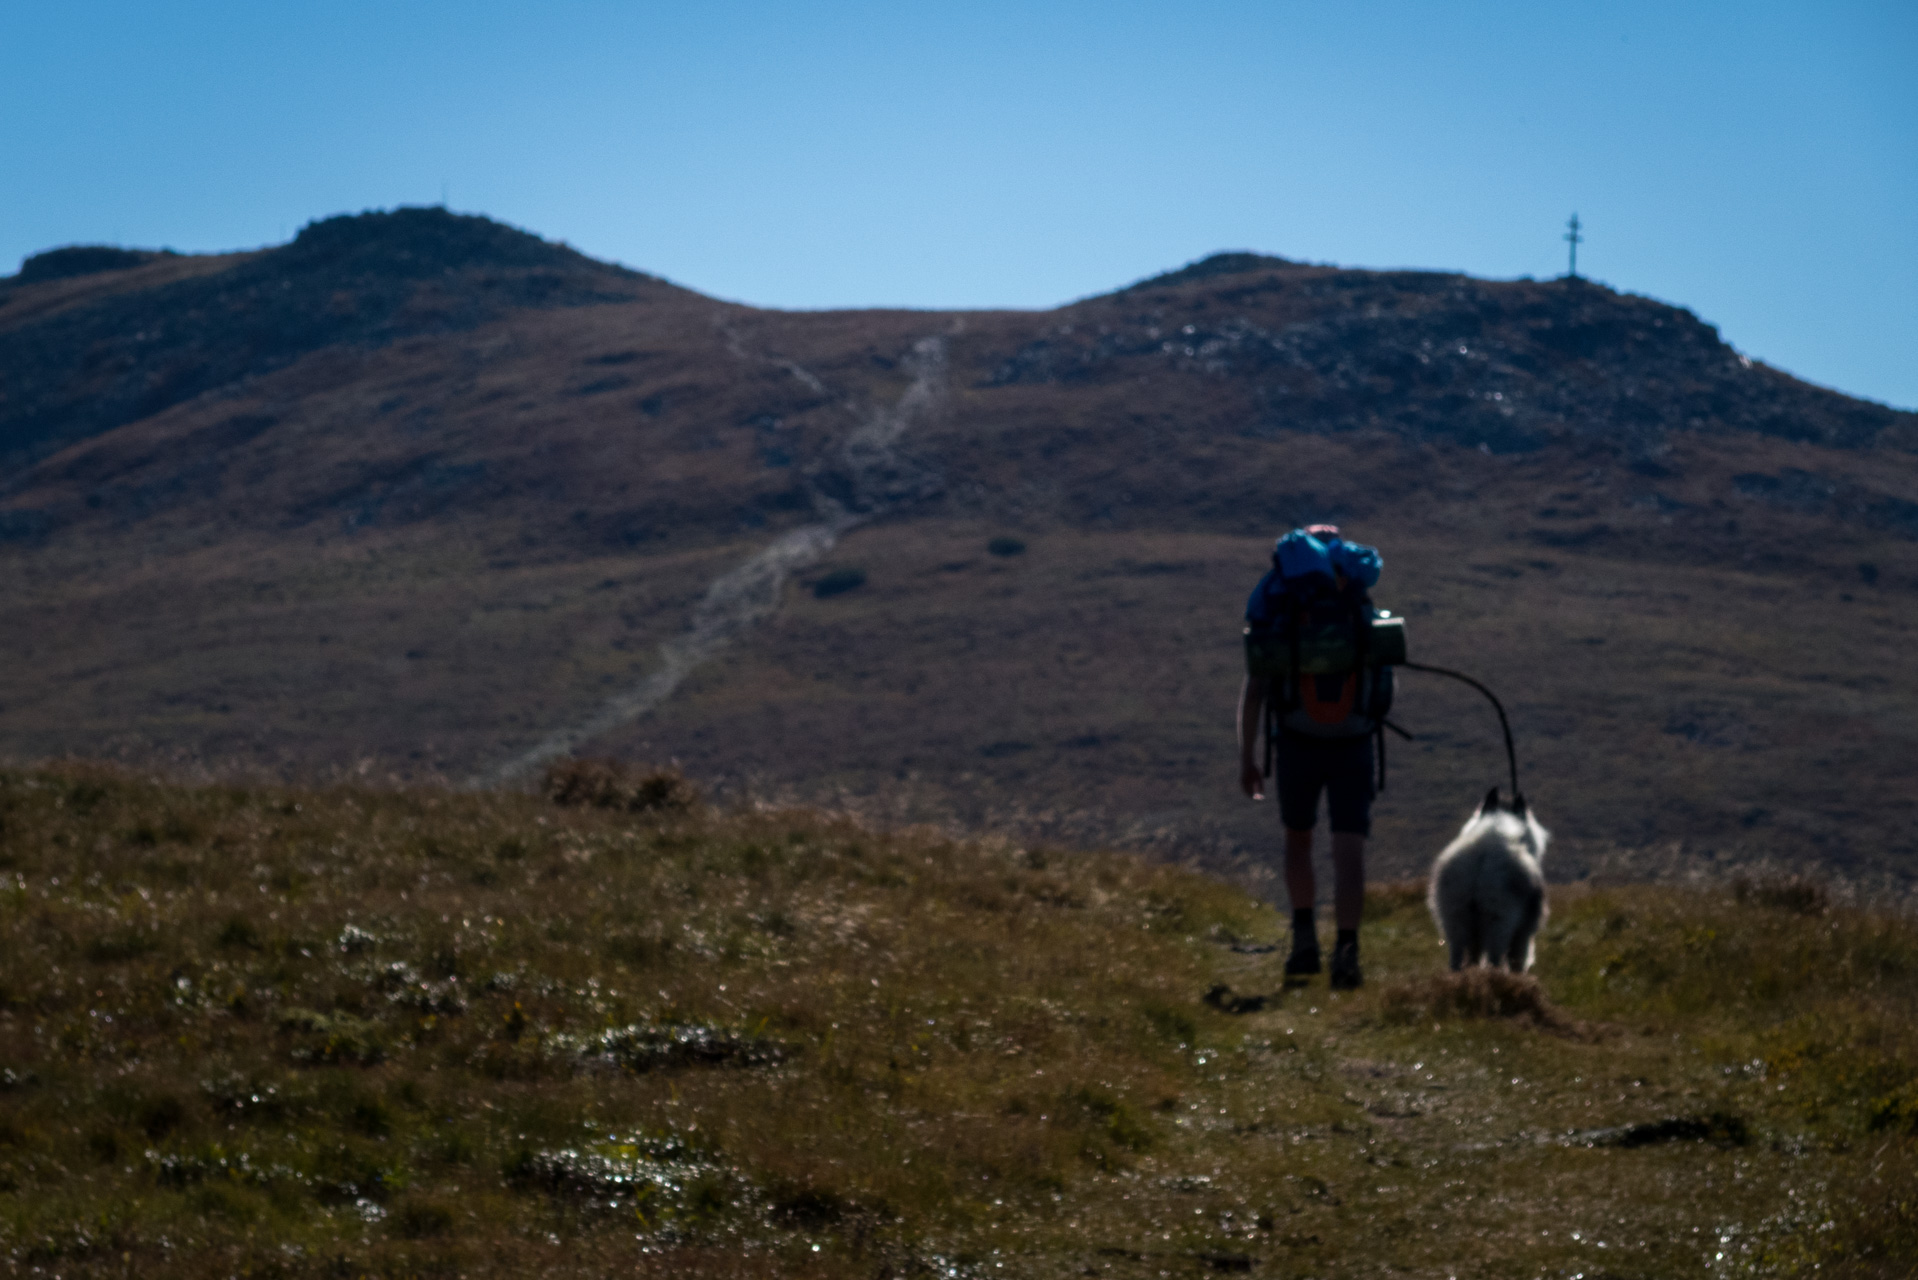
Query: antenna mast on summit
<point x="1572" y="237"/>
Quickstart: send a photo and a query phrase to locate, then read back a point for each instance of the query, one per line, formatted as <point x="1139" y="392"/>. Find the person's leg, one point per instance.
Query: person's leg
<point x="1301" y="886"/>
<point x="1348" y="878"/>
<point x="1349" y="792"/>
<point x="1299" y="779"/>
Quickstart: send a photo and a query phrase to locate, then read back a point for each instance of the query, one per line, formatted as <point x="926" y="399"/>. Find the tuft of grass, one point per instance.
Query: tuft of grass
<point x="1477" y="992"/>
<point x="332" y="1038"/>
<point x="1799" y="894"/>
<point x="611" y="784"/>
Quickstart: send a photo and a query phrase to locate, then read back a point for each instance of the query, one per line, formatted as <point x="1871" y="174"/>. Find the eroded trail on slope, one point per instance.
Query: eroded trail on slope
<point x="866" y="478"/>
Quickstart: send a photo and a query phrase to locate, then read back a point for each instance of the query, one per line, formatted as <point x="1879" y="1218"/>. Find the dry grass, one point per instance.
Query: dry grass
<point x="354" y="1032"/>
<point x="1476" y="993"/>
<point x="1802" y="894"/>
<point x="615" y="784"/>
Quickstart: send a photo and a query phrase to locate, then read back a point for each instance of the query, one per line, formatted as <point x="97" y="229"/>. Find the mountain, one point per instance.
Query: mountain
<point x="421" y="494"/>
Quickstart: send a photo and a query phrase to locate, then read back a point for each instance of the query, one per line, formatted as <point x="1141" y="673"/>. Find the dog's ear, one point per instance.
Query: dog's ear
<point x="1518" y="805"/>
<point x="1491" y="802"/>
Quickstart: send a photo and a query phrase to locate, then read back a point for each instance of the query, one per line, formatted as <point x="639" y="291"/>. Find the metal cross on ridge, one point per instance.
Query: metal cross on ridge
<point x="1573" y="237"/>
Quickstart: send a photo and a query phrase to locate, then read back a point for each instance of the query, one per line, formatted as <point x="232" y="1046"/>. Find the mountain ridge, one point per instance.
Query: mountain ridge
<point x="429" y="491"/>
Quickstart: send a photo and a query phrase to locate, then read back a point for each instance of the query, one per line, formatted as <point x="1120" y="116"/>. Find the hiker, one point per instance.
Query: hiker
<point x="1320" y="704"/>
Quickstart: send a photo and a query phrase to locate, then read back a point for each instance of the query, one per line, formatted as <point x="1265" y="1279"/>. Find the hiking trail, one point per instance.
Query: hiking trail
<point x="865" y="479"/>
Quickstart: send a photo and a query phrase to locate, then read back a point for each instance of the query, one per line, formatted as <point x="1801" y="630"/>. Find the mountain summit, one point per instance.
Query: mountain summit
<point x="138" y="335"/>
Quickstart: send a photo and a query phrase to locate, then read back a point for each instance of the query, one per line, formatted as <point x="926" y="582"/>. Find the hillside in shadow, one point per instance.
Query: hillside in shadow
<point x="421" y="494"/>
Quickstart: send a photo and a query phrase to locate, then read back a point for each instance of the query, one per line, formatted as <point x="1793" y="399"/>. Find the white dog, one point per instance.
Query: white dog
<point x="1488" y="894"/>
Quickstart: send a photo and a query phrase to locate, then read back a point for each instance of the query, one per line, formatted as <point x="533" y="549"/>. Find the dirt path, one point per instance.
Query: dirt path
<point x="869" y="476"/>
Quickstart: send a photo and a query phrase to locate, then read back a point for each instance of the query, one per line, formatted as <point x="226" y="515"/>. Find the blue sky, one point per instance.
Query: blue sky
<point x="1756" y="162"/>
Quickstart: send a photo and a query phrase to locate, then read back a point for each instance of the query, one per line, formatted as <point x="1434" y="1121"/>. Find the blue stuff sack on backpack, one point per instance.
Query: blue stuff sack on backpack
<point x="1312" y="632"/>
<point x="1301" y="556"/>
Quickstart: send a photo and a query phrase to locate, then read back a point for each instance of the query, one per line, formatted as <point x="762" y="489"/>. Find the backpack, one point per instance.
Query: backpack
<point x="1313" y="634"/>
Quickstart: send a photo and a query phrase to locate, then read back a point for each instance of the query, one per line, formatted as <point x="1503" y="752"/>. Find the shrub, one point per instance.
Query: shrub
<point x="1800" y="895"/>
<point x="1475" y="993"/>
<point x="614" y="784"/>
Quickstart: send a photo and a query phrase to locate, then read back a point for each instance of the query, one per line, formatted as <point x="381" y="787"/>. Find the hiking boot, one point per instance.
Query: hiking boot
<point x="1304" y="960"/>
<point x="1345" y="967"/>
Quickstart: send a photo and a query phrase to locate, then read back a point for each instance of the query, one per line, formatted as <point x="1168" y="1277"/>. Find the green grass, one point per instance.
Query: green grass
<point x="360" y="1032"/>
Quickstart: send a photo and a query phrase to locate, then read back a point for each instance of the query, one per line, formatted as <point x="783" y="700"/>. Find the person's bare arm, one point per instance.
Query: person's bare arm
<point x="1251" y="704"/>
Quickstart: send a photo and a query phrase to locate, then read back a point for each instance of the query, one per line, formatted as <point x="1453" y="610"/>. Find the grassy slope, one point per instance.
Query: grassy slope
<point x="1671" y="717"/>
<point x="286" y="654"/>
<point x="360" y="1032"/>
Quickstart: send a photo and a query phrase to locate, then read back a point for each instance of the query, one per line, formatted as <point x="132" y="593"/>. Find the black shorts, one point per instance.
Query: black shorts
<point x="1340" y="767"/>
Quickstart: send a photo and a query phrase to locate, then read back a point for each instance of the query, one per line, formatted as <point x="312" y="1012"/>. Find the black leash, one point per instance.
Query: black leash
<point x="1511" y="756"/>
<point x="1379" y="732"/>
